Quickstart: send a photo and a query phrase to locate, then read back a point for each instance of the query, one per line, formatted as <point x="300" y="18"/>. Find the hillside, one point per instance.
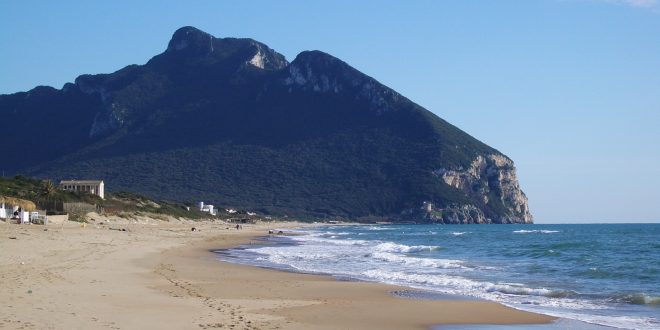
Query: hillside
<point x="48" y="197"/>
<point x="230" y="121"/>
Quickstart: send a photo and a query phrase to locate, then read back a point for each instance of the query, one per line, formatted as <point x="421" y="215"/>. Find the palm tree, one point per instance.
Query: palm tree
<point x="48" y="189"/>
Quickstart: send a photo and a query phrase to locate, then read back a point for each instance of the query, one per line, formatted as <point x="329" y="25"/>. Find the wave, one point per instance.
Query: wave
<point x="401" y="248"/>
<point x="423" y="262"/>
<point x="542" y="231"/>
<point x="333" y="233"/>
<point x="521" y="290"/>
<point x="398" y="278"/>
<point x="459" y="233"/>
<point x="378" y="228"/>
<point x="638" y="299"/>
<point x="331" y="241"/>
<point x="461" y="285"/>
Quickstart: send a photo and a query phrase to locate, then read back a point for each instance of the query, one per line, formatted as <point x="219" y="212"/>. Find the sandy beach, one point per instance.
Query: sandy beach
<point x="163" y="275"/>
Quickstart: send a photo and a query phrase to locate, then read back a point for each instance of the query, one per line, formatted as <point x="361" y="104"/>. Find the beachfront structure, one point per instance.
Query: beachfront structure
<point x="207" y="208"/>
<point x="94" y="187"/>
<point x="11" y="207"/>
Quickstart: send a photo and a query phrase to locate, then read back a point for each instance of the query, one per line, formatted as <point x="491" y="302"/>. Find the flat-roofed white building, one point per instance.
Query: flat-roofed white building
<point x="94" y="187"/>
<point x="207" y="208"/>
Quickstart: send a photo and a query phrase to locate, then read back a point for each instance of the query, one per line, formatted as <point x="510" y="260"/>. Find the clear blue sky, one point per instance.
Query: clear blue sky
<point x="569" y="89"/>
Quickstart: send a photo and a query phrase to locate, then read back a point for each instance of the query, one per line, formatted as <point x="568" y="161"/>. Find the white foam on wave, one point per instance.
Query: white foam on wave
<point x="453" y="284"/>
<point x="288" y="255"/>
<point x="401" y="248"/>
<point x="426" y="280"/>
<point x="512" y="295"/>
<point x="423" y="262"/>
<point x="378" y="228"/>
<point x="522" y="231"/>
<point x="459" y="233"/>
<point x="330" y="241"/>
<point x="518" y="289"/>
<point x="334" y="233"/>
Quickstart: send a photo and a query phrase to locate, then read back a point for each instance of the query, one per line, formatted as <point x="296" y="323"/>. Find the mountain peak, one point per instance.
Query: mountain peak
<point x="318" y="60"/>
<point x="310" y="67"/>
<point x="321" y="72"/>
<point x="191" y="43"/>
<point x="190" y="38"/>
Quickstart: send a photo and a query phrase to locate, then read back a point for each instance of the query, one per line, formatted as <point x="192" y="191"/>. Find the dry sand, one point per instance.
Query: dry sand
<point x="161" y="275"/>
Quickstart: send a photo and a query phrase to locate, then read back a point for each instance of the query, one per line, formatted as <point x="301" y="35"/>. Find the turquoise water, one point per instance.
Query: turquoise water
<point x="601" y="274"/>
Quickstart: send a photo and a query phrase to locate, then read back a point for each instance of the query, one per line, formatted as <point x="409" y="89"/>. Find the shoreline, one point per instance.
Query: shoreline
<point x="360" y="304"/>
<point x="163" y="275"/>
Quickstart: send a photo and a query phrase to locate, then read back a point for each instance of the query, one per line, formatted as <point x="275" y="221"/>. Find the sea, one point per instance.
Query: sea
<point x="600" y="275"/>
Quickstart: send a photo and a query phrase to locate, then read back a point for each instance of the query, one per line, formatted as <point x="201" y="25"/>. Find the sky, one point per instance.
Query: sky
<point x="568" y="89"/>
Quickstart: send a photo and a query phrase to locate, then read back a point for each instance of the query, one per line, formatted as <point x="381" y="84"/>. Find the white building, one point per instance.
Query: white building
<point x="94" y="187"/>
<point x="427" y="206"/>
<point x="207" y="208"/>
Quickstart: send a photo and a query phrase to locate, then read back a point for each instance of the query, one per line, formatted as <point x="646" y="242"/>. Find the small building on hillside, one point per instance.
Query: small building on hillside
<point x="207" y="208"/>
<point x="94" y="187"/>
<point x="427" y="206"/>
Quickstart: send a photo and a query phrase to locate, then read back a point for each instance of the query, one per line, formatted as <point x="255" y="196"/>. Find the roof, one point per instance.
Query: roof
<point x="22" y="203"/>
<point x="78" y="182"/>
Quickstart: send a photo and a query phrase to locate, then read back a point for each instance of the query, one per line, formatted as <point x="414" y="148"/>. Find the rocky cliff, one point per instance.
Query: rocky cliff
<point x="491" y="183"/>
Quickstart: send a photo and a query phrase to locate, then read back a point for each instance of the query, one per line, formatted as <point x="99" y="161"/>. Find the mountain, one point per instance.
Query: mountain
<point x="230" y="121"/>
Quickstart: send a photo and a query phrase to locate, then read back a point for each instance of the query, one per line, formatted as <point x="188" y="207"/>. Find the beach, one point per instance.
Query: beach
<point x="164" y="275"/>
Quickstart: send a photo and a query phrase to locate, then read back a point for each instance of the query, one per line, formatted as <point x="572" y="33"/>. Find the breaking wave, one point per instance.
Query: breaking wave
<point x="535" y="231"/>
<point x="400" y="248"/>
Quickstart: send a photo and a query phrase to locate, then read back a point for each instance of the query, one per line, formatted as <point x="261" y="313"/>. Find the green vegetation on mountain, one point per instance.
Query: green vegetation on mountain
<point x="231" y="122"/>
<point x="44" y="192"/>
<point x="37" y="191"/>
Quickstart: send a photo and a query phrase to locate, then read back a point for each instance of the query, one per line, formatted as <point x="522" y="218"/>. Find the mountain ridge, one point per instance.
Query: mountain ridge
<point x="314" y="137"/>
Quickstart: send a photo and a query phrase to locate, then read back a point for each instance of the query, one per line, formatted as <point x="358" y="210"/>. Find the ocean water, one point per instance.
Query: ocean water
<point x="604" y="274"/>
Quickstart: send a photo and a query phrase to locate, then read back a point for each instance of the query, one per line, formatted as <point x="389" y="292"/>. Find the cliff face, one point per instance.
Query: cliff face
<point x="492" y="185"/>
<point x="232" y="122"/>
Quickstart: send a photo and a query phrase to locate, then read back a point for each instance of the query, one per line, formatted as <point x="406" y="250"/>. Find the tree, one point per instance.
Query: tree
<point x="48" y="189"/>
